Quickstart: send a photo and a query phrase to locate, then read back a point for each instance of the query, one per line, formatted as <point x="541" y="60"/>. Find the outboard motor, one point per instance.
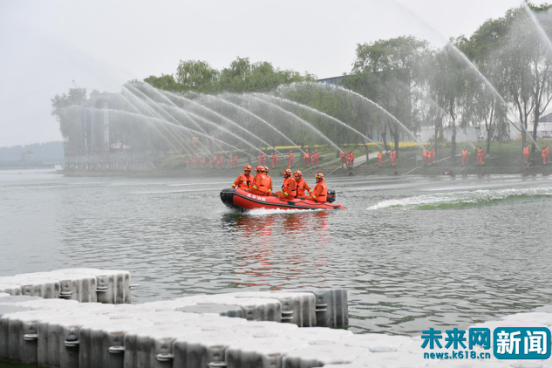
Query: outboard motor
<point x="331" y="196"/>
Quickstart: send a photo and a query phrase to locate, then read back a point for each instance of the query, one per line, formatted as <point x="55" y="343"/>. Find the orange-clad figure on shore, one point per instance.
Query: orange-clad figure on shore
<point x="202" y="161"/>
<point x="274" y="159"/>
<point x="526" y="153"/>
<point x="380" y="158"/>
<point x="289" y="189"/>
<point x="350" y="159"/>
<point x="260" y="160"/>
<point x="244" y="180"/>
<point x="432" y="151"/>
<point x="290" y="159"/>
<point x="263" y="159"/>
<point x="480" y="156"/>
<point x="425" y="155"/>
<point x="221" y="161"/>
<point x="545" y="153"/>
<point x="301" y="185"/>
<point x="343" y="159"/>
<point x="194" y="162"/>
<point x="464" y="157"/>
<point x="315" y="159"/>
<point x="393" y="157"/>
<point x="307" y="159"/>
<point x="320" y="192"/>
<point x="260" y="185"/>
<point x="187" y="162"/>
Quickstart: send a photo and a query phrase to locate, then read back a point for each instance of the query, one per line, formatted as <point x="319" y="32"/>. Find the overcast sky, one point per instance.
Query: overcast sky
<point x="100" y="44"/>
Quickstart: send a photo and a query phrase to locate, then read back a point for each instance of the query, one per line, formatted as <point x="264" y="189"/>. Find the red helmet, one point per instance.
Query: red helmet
<point x="287" y="172"/>
<point x="319" y="175"/>
<point x="259" y="169"/>
<point x="298" y="173"/>
<point x="247" y="168"/>
<point x="265" y="169"/>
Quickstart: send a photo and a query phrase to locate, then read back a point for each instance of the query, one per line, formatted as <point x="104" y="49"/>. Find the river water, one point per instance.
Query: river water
<point x="413" y="252"/>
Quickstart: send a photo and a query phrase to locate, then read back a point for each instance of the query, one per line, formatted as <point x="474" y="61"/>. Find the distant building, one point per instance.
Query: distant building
<point x="27" y="155"/>
<point x="544" y="129"/>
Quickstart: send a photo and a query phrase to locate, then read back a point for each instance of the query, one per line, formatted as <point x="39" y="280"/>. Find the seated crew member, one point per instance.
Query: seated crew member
<point x="244" y="180"/>
<point x="320" y="192"/>
<point x="289" y="189"/>
<point x="301" y="185"/>
<point x="269" y="181"/>
<point x="260" y="182"/>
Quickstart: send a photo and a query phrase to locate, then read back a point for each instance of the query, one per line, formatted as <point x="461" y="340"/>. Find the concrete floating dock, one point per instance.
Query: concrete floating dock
<point x="236" y="330"/>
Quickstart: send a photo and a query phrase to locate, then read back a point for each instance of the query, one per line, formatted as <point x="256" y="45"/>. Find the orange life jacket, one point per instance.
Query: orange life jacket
<point x="243" y="181"/>
<point x="290" y="187"/>
<point x="320" y="192"/>
<point x="301" y="187"/>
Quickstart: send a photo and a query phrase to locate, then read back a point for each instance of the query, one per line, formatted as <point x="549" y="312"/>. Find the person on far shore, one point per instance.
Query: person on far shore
<point x="424" y="157"/>
<point x="307" y="159"/>
<point x="393" y="156"/>
<point x="380" y="159"/>
<point x="464" y="156"/>
<point x="351" y="159"/>
<point x="545" y="153"/>
<point x="432" y="151"/>
<point x="526" y="153"/>
<point x="480" y="156"/>
<point x="343" y="158"/>
<point x="290" y="159"/>
<point x="429" y="158"/>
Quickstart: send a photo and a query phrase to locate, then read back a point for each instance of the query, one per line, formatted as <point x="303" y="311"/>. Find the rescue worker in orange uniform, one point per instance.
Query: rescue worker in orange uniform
<point x="464" y="157"/>
<point x="320" y="192"/>
<point x="273" y="159"/>
<point x="187" y="162"/>
<point x="350" y="159"/>
<point x="380" y="158"/>
<point x="316" y="159"/>
<point x="393" y="156"/>
<point x="432" y="151"/>
<point x="289" y="189"/>
<point x="260" y="185"/>
<point x="481" y="156"/>
<point x="545" y="154"/>
<point x="269" y="180"/>
<point x="526" y="153"/>
<point x="424" y="157"/>
<point x="202" y="161"/>
<point x="343" y="158"/>
<point x="244" y="180"/>
<point x="301" y="185"/>
<point x="263" y="160"/>
<point x="429" y="158"/>
<point x="290" y="159"/>
<point x="307" y="159"/>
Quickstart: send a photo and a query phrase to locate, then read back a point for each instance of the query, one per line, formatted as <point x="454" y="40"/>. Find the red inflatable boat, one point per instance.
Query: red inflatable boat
<point x="242" y="200"/>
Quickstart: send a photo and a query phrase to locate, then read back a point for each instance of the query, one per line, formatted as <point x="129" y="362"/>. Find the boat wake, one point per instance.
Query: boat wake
<point x="463" y="198"/>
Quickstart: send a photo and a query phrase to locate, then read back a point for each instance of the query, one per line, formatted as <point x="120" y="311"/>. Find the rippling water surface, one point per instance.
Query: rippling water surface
<point x="413" y="252"/>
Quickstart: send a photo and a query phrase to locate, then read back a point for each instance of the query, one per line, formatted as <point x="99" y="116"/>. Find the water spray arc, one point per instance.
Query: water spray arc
<point x="323" y="114"/>
<point x="297" y="118"/>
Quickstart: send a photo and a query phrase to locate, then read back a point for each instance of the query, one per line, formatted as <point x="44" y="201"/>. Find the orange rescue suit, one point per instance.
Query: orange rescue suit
<point x="289" y="187"/>
<point x="243" y="181"/>
<point x="320" y="192"/>
<point x="261" y="185"/>
<point x="380" y="158"/>
<point x="301" y="187"/>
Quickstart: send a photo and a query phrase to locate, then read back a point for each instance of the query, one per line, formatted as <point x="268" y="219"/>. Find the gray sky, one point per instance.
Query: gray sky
<point x="100" y="44"/>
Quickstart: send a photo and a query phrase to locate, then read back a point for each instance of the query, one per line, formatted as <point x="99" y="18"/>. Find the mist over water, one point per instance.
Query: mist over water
<point x="413" y="252"/>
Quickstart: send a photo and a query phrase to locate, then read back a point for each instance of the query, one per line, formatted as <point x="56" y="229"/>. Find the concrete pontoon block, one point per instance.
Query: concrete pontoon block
<point x="152" y="347"/>
<point x="261" y="352"/>
<point x="10" y="289"/>
<point x="318" y="354"/>
<point x="22" y="335"/>
<point x="332" y="309"/>
<point x="204" y="348"/>
<point x="255" y="309"/>
<point x="227" y="310"/>
<point x="101" y="343"/>
<point x="77" y="286"/>
<point x="297" y="307"/>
